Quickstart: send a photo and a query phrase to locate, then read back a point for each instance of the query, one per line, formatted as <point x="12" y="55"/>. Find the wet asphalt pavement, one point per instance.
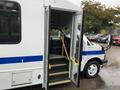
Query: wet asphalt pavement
<point x="108" y="79"/>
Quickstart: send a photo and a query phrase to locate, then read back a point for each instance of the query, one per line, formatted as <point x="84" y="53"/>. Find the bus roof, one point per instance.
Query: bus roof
<point x="63" y="4"/>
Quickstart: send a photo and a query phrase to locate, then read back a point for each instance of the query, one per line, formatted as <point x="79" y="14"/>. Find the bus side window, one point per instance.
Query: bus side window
<point x="10" y="22"/>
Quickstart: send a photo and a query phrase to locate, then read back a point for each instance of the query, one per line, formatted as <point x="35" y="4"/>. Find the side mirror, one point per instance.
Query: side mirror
<point x="109" y="42"/>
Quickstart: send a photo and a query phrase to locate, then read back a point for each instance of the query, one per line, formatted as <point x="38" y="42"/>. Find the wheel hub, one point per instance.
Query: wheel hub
<point x="92" y="70"/>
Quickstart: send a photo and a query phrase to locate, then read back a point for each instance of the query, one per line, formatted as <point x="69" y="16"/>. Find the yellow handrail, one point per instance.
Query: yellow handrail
<point x="66" y="52"/>
<point x="49" y="66"/>
<point x="63" y="43"/>
<point x="62" y="50"/>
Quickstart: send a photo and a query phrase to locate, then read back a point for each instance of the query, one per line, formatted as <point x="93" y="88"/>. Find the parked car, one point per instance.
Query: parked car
<point x="90" y="37"/>
<point x="94" y="37"/>
<point x="116" y="40"/>
<point x="103" y="39"/>
<point x="97" y="36"/>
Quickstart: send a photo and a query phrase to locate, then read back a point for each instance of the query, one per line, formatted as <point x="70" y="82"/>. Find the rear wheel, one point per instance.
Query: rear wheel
<point x="92" y="69"/>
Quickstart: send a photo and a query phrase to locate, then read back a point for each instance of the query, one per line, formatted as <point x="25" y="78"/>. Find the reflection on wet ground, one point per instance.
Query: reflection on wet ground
<point x="108" y="79"/>
<point x="111" y="73"/>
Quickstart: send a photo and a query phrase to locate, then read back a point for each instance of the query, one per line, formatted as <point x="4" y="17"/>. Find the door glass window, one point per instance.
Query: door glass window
<point x="55" y="34"/>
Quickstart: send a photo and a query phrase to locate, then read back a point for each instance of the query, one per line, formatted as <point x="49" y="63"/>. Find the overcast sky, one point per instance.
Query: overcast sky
<point x="111" y="3"/>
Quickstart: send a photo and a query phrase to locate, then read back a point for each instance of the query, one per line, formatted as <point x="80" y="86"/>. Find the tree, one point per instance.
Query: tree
<point x="98" y="17"/>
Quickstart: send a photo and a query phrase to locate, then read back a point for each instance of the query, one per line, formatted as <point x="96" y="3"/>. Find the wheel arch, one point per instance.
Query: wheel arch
<point x="93" y="59"/>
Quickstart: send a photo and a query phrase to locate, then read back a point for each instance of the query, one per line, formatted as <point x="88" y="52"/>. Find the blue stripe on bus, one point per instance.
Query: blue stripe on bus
<point x="23" y="59"/>
<point x="93" y="52"/>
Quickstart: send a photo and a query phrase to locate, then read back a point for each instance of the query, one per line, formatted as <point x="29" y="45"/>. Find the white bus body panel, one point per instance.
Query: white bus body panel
<point x="91" y="51"/>
<point x="28" y="53"/>
<point x="27" y="57"/>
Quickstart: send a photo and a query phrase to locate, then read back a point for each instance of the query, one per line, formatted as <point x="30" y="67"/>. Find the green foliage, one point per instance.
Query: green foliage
<point x="98" y="17"/>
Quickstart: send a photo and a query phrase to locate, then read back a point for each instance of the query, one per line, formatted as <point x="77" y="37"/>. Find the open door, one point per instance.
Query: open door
<point x="46" y="53"/>
<point x="76" y="48"/>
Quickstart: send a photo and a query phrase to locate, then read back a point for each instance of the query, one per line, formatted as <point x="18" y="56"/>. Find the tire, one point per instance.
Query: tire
<point x="91" y="69"/>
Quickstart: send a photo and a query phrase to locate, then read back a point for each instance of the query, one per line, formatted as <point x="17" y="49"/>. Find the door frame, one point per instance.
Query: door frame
<point x="80" y="49"/>
<point x="46" y="48"/>
<point x="47" y="27"/>
<point x="81" y="45"/>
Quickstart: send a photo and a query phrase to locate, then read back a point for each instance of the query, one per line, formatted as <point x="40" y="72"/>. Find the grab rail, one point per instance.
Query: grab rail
<point x="66" y="52"/>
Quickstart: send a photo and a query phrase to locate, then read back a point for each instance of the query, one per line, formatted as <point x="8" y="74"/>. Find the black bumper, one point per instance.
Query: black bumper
<point x="104" y="61"/>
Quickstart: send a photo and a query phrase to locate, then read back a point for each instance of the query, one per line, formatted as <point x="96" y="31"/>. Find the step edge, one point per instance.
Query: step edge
<point x="59" y="82"/>
<point x="58" y="65"/>
<point x="57" y="57"/>
<point x="59" y="73"/>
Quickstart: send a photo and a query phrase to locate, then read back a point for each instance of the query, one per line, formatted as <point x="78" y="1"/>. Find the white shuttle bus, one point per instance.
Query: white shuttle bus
<point x="35" y="47"/>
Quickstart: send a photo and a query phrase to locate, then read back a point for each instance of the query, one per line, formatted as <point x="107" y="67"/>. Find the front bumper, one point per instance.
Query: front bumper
<point x="104" y="62"/>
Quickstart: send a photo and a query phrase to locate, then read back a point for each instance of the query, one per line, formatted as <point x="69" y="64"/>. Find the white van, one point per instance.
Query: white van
<point x="31" y="51"/>
<point x="93" y="57"/>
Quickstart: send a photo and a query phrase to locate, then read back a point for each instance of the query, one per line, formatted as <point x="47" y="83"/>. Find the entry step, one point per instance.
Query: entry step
<point x="56" y="78"/>
<point x="56" y="57"/>
<point x="63" y="81"/>
<point x="58" y="69"/>
<point x="58" y="65"/>
<point x="58" y="61"/>
<point x="59" y="73"/>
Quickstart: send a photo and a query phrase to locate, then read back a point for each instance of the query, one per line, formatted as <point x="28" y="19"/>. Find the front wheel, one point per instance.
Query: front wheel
<point x="91" y="69"/>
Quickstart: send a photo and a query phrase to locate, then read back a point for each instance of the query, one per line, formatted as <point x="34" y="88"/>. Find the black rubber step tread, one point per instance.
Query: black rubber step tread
<point x="58" y="73"/>
<point x="56" y="57"/>
<point x="59" y="69"/>
<point x="66" y="80"/>
<point x="58" y="78"/>
<point x="57" y="65"/>
<point x="58" y="61"/>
